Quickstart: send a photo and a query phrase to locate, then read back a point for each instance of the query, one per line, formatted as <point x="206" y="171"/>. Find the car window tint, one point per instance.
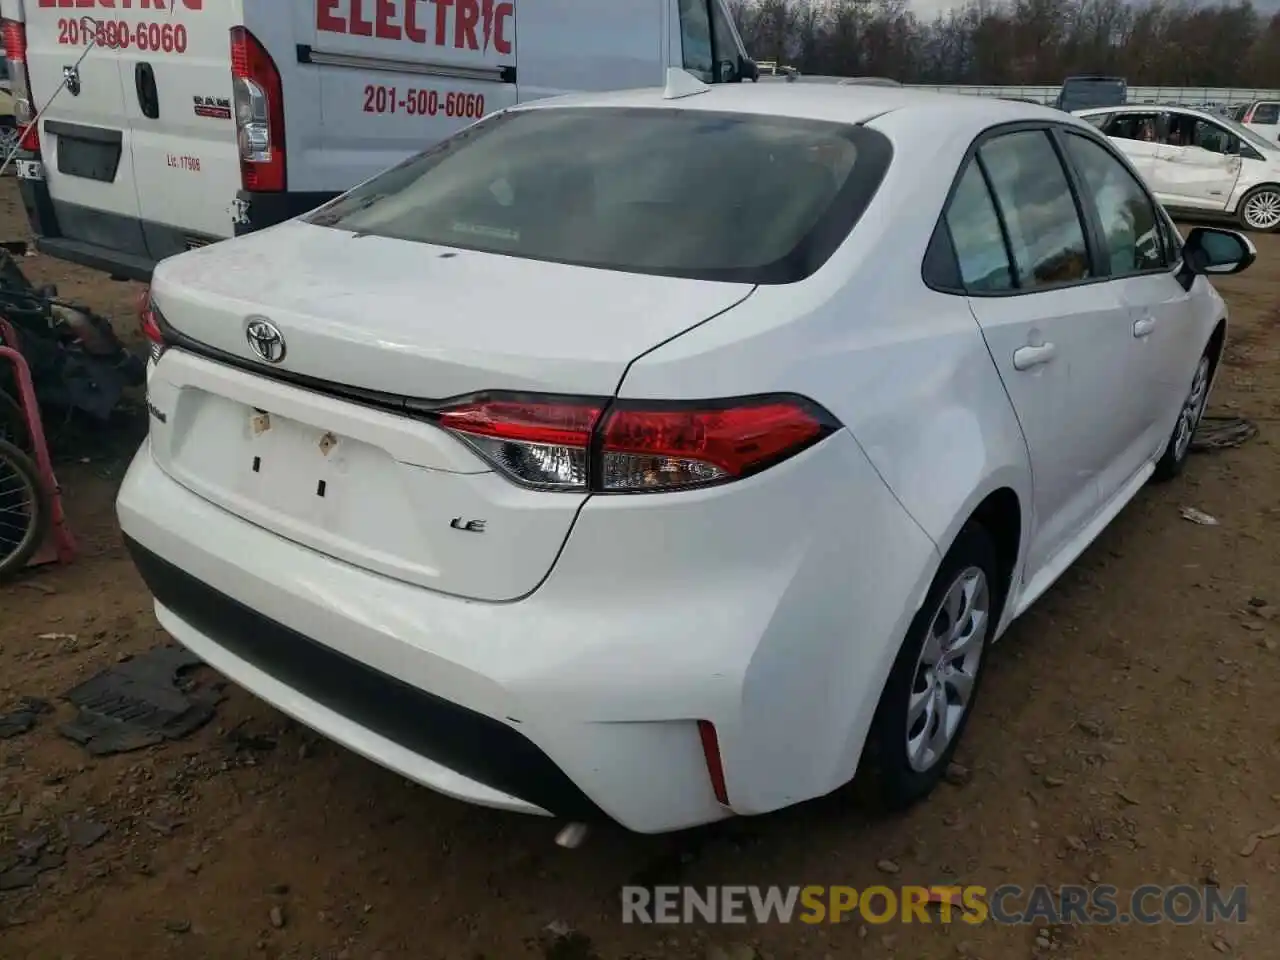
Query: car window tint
<point x="1186" y="130"/>
<point x="695" y="193"/>
<point x="1266" y="113"/>
<point x="976" y="236"/>
<point x="1099" y="120"/>
<point x="726" y="44"/>
<point x="1133" y="126"/>
<point x="695" y="39"/>
<point x="1045" y="232"/>
<point x="1129" y="219"/>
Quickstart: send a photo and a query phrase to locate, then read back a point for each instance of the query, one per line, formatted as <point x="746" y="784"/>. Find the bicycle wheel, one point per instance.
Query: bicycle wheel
<point x="24" y="509"/>
<point x="13" y="425"/>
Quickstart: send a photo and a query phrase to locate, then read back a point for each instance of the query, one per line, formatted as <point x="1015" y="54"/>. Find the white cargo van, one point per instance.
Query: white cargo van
<point x="189" y="121"/>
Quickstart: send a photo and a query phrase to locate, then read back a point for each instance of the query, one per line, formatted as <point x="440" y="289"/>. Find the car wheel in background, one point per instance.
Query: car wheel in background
<point x="1175" y="454"/>
<point x="934" y="682"/>
<point x="1260" y="208"/>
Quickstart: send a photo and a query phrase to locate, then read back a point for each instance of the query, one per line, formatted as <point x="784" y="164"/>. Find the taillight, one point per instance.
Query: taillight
<point x="631" y="446"/>
<point x="15" y="51"/>
<point x="259" y="112"/>
<point x="150" y="320"/>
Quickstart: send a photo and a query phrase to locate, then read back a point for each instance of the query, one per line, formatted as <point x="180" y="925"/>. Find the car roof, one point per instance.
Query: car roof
<point x="835" y="103"/>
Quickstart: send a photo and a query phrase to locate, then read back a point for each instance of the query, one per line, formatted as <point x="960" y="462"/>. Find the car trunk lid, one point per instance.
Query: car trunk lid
<point x="314" y="447"/>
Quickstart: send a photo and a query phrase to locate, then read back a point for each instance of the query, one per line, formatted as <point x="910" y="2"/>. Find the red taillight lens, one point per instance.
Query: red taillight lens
<point x="15" y="51"/>
<point x="259" y="113"/>
<point x="150" y="318"/>
<point x="542" y="444"/>
<point x="634" y="447"/>
<point x="648" y="449"/>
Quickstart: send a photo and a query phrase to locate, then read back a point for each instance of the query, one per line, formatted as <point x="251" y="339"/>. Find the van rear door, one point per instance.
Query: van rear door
<point x="84" y="133"/>
<point x="175" y="76"/>
<point x="393" y="77"/>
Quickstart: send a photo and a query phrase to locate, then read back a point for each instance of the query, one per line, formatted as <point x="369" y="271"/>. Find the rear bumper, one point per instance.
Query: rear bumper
<point x="124" y="247"/>
<point x="773" y="611"/>
<point x="479" y="749"/>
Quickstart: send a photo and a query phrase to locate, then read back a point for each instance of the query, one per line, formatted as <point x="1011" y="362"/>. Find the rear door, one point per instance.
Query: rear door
<point x="392" y="78"/>
<point x="84" y="134"/>
<point x="175" y="76"/>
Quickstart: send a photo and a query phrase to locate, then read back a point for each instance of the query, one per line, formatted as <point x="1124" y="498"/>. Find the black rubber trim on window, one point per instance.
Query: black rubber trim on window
<point x="941" y="266"/>
<point x="1051" y="129"/>
<point x="481" y="748"/>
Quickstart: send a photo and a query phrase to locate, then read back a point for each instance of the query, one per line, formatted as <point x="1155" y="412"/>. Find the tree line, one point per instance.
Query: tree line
<point x="1034" y="42"/>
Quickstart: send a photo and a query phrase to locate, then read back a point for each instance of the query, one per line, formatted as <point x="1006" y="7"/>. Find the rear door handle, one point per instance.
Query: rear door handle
<point x="1028" y="358"/>
<point x="1143" y="326"/>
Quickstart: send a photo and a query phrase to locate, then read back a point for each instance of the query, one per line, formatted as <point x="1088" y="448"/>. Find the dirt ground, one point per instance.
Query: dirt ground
<point x="1128" y="734"/>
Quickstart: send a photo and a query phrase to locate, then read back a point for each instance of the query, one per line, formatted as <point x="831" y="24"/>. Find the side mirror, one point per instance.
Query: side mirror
<point x="1211" y="250"/>
<point x="749" y="69"/>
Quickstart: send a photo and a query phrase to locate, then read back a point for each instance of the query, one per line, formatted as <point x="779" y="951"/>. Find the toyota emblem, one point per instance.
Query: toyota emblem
<point x="265" y="339"/>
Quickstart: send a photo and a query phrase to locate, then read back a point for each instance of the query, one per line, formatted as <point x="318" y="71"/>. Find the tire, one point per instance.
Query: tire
<point x="1174" y="459"/>
<point x="905" y="767"/>
<point x="9" y="136"/>
<point x="13" y="425"/>
<point x="1259" y="209"/>
<point x="24" y="510"/>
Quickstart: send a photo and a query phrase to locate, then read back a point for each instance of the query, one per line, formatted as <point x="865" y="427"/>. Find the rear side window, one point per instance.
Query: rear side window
<point x="976" y="235"/>
<point x="1046" y="236"/>
<point x="1129" y="219"/>
<point x="1268" y="113"/>
<point x="678" y="192"/>
<point x="695" y="39"/>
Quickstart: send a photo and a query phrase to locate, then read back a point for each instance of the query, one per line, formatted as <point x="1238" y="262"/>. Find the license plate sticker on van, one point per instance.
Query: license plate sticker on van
<point x="89" y="159"/>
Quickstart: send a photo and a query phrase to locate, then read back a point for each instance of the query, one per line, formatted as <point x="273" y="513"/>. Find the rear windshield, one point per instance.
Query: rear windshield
<point x="677" y="192"/>
<point x="1079" y="94"/>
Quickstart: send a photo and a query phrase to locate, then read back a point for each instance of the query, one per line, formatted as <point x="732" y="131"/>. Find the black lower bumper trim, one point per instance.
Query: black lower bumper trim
<point x="473" y="745"/>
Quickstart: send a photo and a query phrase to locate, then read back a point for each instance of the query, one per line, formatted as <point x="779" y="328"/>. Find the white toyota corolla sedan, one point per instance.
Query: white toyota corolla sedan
<point x="667" y="455"/>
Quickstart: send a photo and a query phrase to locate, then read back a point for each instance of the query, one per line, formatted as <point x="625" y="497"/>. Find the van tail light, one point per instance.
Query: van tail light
<point x="259" y="111"/>
<point x="24" y="114"/>
<point x="1248" y="117"/>
<point x="631" y="446"/>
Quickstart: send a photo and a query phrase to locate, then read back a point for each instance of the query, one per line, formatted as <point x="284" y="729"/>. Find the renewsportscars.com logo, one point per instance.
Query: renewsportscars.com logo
<point x="1099" y="904"/>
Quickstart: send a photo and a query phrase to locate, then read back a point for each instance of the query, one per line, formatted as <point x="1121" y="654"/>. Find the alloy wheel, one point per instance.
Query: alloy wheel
<point x="947" y="668"/>
<point x="1262" y="210"/>
<point x="1192" y="410"/>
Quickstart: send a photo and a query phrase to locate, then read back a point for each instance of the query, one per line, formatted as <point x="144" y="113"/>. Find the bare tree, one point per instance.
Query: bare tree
<point x="1157" y="42"/>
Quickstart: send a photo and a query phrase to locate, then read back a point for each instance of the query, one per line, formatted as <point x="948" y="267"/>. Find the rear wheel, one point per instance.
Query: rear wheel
<point x="931" y="690"/>
<point x="1260" y="208"/>
<point x="24" y="509"/>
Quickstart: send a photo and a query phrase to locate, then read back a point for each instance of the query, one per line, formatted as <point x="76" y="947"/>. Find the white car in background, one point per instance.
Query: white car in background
<point x="664" y="456"/>
<point x="1198" y="162"/>
<point x="1262" y="117"/>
